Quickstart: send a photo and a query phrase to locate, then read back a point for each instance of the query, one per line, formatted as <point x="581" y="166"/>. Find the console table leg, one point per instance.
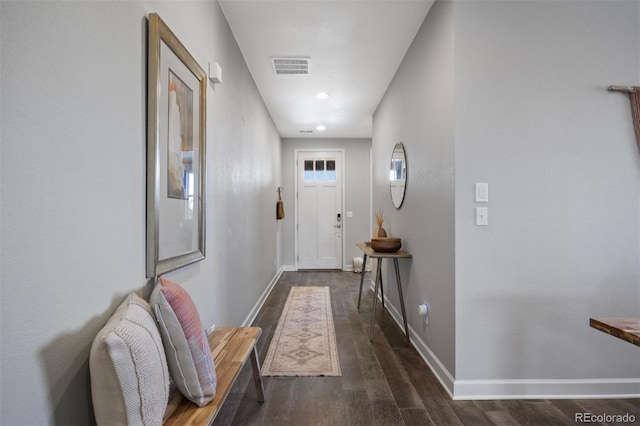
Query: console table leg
<point x="375" y="298"/>
<point x="404" y="313"/>
<point x="381" y="286"/>
<point x="364" y="265"/>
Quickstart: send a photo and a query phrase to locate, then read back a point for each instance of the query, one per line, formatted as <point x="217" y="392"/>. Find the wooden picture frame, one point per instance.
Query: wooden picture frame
<point x="176" y="140"/>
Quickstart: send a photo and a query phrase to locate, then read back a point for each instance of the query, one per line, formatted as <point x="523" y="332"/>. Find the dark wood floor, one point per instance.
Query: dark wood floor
<point x="383" y="383"/>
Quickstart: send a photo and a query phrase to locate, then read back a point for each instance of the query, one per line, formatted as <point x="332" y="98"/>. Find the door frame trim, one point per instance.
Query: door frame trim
<point x="295" y="203"/>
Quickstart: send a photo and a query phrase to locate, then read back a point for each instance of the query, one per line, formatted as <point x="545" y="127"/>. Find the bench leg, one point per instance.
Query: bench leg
<point x="257" y="377"/>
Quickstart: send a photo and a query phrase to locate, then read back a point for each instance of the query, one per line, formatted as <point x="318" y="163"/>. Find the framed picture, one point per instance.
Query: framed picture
<point x="176" y="132"/>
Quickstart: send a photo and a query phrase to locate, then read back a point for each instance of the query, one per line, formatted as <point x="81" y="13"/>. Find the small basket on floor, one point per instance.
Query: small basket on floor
<point x="357" y="265"/>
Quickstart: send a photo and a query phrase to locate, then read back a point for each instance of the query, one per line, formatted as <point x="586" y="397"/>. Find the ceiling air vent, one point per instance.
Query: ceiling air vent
<point x="291" y="66"/>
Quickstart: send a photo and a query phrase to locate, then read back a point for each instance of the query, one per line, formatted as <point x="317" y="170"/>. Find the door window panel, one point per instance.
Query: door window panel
<point x="320" y="170"/>
<point x="309" y="175"/>
<point x="331" y="170"/>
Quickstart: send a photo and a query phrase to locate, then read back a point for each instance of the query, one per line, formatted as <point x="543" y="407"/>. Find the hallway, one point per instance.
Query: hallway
<point x="382" y="383"/>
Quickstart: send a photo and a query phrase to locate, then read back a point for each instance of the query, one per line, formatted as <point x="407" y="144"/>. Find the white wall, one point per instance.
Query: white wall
<point x="356" y="182"/>
<point x="417" y="110"/>
<point x="514" y="94"/>
<point x="73" y="125"/>
<point x="535" y="121"/>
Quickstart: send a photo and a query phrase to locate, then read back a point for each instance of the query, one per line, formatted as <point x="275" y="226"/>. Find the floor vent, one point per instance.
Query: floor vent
<point x="291" y="66"/>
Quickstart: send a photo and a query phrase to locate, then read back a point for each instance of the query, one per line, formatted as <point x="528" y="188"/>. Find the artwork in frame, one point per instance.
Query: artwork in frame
<point x="176" y="134"/>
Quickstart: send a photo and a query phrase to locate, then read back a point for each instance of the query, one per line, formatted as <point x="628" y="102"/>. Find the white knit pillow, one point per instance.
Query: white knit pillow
<point x="129" y="375"/>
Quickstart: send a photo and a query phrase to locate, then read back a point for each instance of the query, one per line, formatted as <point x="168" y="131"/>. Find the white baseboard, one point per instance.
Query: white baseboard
<point x="547" y="389"/>
<point x="263" y="297"/>
<point x="518" y="389"/>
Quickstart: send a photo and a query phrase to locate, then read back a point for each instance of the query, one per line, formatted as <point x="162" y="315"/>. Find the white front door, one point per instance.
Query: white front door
<point x="319" y="209"/>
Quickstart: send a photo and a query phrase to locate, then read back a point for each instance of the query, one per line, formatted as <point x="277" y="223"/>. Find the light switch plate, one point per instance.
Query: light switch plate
<point x="482" y="192"/>
<point x="482" y="216"/>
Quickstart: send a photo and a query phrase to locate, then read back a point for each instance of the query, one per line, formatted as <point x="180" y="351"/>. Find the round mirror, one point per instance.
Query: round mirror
<point x="398" y="175"/>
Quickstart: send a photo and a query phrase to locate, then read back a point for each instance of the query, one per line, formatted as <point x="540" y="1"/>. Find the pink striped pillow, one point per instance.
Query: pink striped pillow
<point x="185" y="342"/>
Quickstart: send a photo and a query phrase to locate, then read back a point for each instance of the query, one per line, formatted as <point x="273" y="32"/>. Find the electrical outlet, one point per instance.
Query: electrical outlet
<point x="423" y="311"/>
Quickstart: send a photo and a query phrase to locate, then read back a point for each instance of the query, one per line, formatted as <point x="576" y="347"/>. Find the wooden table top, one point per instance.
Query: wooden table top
<point x="381" y="254"/>
<point x="623" y="328"/>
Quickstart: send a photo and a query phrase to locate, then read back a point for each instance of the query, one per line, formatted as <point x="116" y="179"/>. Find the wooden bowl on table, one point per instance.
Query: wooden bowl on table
<point x="386" y="244"/>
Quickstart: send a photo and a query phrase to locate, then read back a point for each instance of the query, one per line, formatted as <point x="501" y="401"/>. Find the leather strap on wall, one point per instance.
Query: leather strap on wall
<point x="634" y="94"/>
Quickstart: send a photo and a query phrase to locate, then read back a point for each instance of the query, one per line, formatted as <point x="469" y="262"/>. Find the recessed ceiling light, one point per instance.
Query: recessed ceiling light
<point x="321" y="128"/>
<point x="322" y="95"/>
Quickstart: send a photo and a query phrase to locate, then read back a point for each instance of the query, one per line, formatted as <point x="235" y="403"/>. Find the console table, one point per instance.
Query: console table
<point x="369" y="252"/>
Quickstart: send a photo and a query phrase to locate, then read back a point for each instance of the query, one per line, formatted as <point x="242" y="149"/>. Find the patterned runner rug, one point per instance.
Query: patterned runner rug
<point x="304" y="343"/>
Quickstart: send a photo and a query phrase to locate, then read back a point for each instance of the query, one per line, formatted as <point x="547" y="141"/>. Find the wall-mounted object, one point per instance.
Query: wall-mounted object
<point x="423" y="311"/>
<point x="176" y="134"/>
<point x="279" y="205"/>
<point x="482" y="192"/>
<point x="634" y="95"/>
<point x="398" y="175"/>
<point x="482" y="216"/>
<point x="215" y="72"/>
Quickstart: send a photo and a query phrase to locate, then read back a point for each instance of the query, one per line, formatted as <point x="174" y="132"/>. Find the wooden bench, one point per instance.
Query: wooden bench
<point x="230" y="347"/>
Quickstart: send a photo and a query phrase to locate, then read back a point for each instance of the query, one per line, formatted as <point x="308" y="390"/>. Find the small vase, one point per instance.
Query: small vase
<point x="379" y="233"/>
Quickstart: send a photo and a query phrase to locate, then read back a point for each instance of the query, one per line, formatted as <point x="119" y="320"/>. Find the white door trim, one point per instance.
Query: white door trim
<point x="295" y="204"/>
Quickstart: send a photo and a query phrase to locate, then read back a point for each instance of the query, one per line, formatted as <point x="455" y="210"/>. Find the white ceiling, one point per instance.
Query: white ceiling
<point x="354" y="49"/>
